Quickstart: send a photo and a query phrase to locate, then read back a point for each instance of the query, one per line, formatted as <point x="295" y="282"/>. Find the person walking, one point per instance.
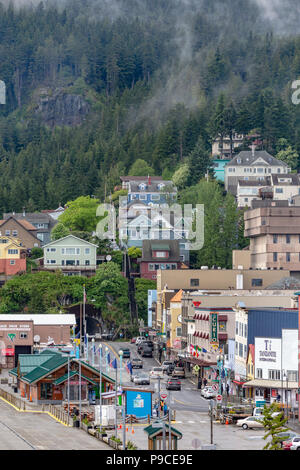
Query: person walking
<point x="227" y="389"/>
<point x="205" y="382"/>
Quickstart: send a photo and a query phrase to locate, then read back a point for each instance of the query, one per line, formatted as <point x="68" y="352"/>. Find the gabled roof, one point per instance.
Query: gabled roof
<point x="246" y="158"/>
<point x="73" y="373"/>
<point x="177" y="297"/>
<point x="152" y="432"/>
<point x="172" y="246"/>
<point x="69" y="236"/>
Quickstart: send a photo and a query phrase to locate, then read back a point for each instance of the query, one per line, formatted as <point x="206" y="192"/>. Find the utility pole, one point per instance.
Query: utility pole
<point x="68" y="388"/>
<point x="170" y="415"/>
<point x="80" y="322"/>
<point x="211" y="421"/>
<point x="116" y="403"/>
<point x="100" y="386"/>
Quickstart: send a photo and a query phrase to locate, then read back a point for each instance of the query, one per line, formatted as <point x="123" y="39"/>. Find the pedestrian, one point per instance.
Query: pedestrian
<point x="278" y="398"/>
<point x="205" y="382"/>
<point x="227" y="389"/>
<point x="165" y="409"/>
<point x="199" y="383"/>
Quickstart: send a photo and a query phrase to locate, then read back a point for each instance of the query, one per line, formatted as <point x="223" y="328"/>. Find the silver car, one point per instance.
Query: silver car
<point x="142" y="379"/>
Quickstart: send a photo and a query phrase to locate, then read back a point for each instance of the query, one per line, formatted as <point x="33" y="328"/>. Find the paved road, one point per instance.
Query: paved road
<point x="33" y="431"/>
<point x="192" y="417"/>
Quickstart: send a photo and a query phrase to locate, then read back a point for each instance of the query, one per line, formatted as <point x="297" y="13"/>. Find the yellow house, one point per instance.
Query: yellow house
<point x="250" y="364"/>
<point x="10" y="248"/>
<point x="175" y="324"/>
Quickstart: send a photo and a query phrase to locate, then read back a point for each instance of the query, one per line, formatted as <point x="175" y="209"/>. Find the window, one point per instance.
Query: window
<point x="292" y="376"/>
<point x="260" y="170"/>
<point x="288" y="257"/>
<point x="87" y="251"/>
<point x="222" y="325"/>
<point x="156" y="266"/>
<point x="257" y="282"/>
<point x="7" y="232"/>
<point x="12" y="252"/>
<point x="275" y="238"/>
<point x="279" y="190"/>
<point x="77" y="251"/>
<point x="70" y="262"/>
<point x="288" y="239"/>
<point x="70" y="251"/>
<point x="15" y="233"/>
<point x="12" y="262"/>
<point x="194" y="282"/>
<point x="274" y="374"/>
<point x="151" y="267"/>
<point x="143" y="197"/>
<point x="160" y="254"/>
<point x="278" y="170"/>
<point x="174" y="266"/>
<point x="240" y="349"/>
<point x="259" y="373"/>
<point x="53" y="261"/>
<point x="23" y="335"/>
<point x="275" y="257"/>
<point x="236" y="327"/>
<point x="178" y="331"/>
<point x="46" y="391"/>
<point x="155" y="197"/>
<point x="40" y="236"/>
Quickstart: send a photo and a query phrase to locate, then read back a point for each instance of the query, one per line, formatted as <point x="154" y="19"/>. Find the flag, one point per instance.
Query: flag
<point x="129" y="367"/>
<point x="84" y="294"/>
<point x="204" y="350"/>
<point x="100" y="351"/>
<point x="114" y="364"/>
<point x="108" y="358"/>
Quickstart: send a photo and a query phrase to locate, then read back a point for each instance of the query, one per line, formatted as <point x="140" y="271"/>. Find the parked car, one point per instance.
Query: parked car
<point x="126" y="352"/>
<point x="133" y="375"/>
<point x="136" y="363"/>
<point x="156" y="371"/>
<point x="133" y="340"/>
<point x="142" y="379"/>
<point x="173" y="384"/>
<point x="166" y="364"/>
<point x="140" y="339"/>
<point x="209" y="392"/>
<point x="286" y="435"/>
<point x="286" y="445"/>
<point x="179" y="372"/>
<point x="250" y="422"/>
<point x="148" y="343"/>
<point x="146" y="351"/>
<point x="170" y="369"/>
<point x="296" y="443"/>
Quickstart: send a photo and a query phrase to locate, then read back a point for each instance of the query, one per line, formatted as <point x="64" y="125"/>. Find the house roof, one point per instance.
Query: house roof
<point x="245" y="183"/>
<point x="32" y="217"/>
<point x="41" y="319"/>
<point x="69" y="236"/>
<point x="246" y="158"/>
<point x="293" y="177"/>
<point x="177" y="297"/>
<point x="172" y="246"/>
<point x="27" y="225"/>
<point x="140" y="178"/>
<point x="152" y="432"/>
<point x="72" y="373"/>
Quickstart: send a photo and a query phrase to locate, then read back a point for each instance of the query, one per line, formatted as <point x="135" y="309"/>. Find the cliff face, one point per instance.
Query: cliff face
<point x="60" y="108"/>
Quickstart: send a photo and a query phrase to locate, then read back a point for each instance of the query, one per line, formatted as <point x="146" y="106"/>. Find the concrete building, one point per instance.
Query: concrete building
<point x="276" y="369"/>
<point x="252" y="166"/>
<point x="273" y="228"/>
<point x="20" y="332"/>
<point x="276" y="186"/>
<point x="224" y="147"/>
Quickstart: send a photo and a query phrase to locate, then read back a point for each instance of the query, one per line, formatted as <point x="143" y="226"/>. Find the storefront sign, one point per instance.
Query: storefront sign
<point x="213" y="328"/>
<point x="7" y="352"/>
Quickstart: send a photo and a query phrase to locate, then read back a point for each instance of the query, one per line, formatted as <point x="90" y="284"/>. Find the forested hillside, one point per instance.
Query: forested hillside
<point x="94" y="85"/>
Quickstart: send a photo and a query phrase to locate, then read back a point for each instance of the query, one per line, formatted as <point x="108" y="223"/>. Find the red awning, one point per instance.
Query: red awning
<point x="222" y="336"/>
<point x="222" y="318"/>
<point x="237" y="382"/>
<point x="200" y="318"/>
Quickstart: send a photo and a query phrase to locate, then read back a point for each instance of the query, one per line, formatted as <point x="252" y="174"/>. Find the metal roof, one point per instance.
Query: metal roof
<point x="41" y="319"/>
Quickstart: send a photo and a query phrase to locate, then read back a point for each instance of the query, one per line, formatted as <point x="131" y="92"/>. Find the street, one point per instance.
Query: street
<point x="192" y="418"/>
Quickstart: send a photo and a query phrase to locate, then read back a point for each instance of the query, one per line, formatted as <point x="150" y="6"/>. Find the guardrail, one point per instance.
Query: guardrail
<point x="17" y="402"/>
<point x="59" y="414"/>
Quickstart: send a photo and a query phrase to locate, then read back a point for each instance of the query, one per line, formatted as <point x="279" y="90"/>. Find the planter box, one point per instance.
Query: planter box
<point x="105" y="439"/>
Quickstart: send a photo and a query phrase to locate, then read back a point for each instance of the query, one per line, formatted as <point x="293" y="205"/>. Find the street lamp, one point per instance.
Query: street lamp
<point x="100" y="385"/>
<point x="93" y="352"/>
<point x="285" y="377"/>
<point x="121" y="357"/>
<point x="106" y="364"/>
<point x="220" y="359"/>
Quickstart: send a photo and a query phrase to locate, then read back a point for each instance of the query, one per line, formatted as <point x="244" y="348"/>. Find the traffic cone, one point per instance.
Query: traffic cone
<point x="30" y="399"/>
<point x="132" y="431"/>
<point x="227" y="421"/>
<point x="127" y="429"/>
<point x="120" y="426"/>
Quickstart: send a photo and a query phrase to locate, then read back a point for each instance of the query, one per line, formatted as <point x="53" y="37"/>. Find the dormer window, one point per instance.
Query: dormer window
<point x="239" y="160"/>
<point x="160" y="185"/>
<point x="142" y="186"/>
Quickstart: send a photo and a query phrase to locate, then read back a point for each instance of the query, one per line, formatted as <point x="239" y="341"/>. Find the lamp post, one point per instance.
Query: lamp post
<point x="285" y="377"/>
<point x="220" y="359"/>
<point x="93" y="352"/>
<point x="106" y="363"/>
<point x="121" y="357"/>
<point x="100" y="385"/>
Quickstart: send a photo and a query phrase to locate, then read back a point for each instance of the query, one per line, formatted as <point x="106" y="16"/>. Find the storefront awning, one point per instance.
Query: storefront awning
<point x="263" y="383"/>
<point x="237" y="382"/>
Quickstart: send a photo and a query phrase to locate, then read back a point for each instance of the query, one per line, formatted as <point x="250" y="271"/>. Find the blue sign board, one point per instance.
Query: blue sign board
<point x="138" y="403"/>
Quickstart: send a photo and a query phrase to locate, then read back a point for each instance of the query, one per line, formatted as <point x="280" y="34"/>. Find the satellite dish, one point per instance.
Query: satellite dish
<point x="36" y="339"/>
<point x="108" y="258"/>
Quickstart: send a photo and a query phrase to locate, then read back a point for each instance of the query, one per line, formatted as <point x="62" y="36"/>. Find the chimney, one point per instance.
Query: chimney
<point x="253" y="149"/>
<point x="24" y="212"/>
<point x="149" y="180"/>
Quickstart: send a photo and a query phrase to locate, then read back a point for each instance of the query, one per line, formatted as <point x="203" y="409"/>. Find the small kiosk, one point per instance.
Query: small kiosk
<point x="156" y="435"/>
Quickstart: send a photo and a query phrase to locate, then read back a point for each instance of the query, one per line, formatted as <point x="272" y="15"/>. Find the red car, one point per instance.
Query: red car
<point x="133" y="340"/>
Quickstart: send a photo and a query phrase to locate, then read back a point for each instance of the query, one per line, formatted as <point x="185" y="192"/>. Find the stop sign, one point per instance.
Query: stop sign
<point x="219" y="397"/>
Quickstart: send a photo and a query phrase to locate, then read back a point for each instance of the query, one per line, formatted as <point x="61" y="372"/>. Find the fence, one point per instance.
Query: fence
<point x="59" y="414"/>
<point x="17" y="402"/>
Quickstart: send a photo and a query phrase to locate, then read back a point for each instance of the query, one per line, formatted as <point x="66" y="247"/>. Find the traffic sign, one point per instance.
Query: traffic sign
<point x="219" y="397"/>
<point x="215" y="387"/>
